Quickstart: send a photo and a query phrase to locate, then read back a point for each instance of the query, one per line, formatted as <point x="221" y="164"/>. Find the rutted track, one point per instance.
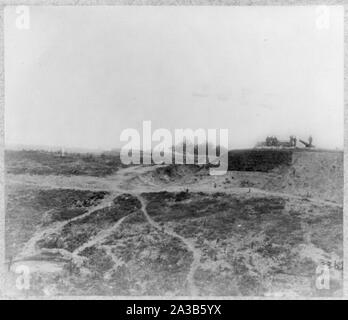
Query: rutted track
<point x="190" y="245"/>
<point x="30" y="248"/>
<point x="99" y="237"/>
<point x="126" y="182"/>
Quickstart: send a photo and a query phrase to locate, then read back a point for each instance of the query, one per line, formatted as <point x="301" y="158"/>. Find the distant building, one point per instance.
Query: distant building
<point x="273" y="142"/>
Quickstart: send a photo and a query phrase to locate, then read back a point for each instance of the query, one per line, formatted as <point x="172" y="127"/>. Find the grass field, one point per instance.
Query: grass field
<point x="56" y="163"/>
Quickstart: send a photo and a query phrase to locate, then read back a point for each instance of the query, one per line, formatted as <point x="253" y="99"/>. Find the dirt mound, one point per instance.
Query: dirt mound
<point x="310" y="174"/>
<point x="316" y="174"/>
<point x="306" y="173"/>
<point x="175" y="172"/>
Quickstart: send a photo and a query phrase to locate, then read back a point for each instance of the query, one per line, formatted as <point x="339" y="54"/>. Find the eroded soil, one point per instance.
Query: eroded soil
<point x="174" y="231"/>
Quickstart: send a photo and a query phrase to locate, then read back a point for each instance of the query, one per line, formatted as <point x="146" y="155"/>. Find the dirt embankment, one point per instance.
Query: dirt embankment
<point x="317" y="174"/>
<point x="258" y="160"/>
<point x="305" y="173"/>
<point x="177" y="172"/>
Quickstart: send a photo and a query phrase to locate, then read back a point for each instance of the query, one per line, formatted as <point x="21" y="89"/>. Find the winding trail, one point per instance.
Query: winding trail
<point x="133" y="180"/>
<point x="190" y="245"/>
<point x="30" y="249"/>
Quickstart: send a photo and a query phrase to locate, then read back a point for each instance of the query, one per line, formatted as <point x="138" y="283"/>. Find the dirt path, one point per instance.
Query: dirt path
<point x="292" y="196"/>
<point x="190" y="245"/>
<point x="134" y="180"/>
<point x="30" y="248"/>
<point x="99" y="237"/>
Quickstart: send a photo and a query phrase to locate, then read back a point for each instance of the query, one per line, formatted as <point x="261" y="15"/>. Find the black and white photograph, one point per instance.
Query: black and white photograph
<point x="173" y="151"/>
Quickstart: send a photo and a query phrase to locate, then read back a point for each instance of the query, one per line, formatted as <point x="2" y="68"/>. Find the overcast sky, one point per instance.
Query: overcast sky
<point x="80" y="75"/>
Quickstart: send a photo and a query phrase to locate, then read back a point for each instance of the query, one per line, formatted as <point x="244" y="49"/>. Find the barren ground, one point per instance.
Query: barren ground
<point x="174" y="230"/>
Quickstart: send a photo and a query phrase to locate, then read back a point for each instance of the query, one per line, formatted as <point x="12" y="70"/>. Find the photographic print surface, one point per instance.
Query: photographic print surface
<point x="174" y="151"/>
